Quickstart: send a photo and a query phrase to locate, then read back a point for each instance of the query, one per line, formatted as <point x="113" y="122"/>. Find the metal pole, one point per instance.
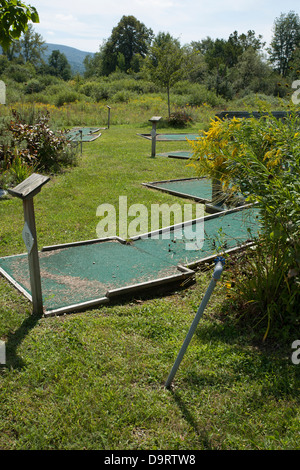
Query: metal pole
<point x="219" y="264"/>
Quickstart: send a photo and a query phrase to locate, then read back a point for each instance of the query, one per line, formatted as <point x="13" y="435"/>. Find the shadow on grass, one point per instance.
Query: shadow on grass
<point x="14" y="339"/>
<point x="192" y="421"/>
<point x="265" y="370"/>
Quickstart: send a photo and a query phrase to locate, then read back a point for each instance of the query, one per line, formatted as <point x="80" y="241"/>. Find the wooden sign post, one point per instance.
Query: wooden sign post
<point x="108" y="118"/>
<point x="154" y="121"/>
<point x="26" y="191"/>
<point x="80" y="133"/>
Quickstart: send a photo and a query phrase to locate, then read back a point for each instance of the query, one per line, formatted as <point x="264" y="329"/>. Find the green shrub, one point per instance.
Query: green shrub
<point x="195" y="94"/>
<point x="38" y="146"/>
<point x="180" y="118"/>
<point x="267" y="289"/>
<point x="251" y="102"/>
<point x="68" y="96"/>
<point x="19" y="73"/>
<point x="261" y="158"/>
<point x="34" y="86"/>
<point x="122" y="96"/>
<point x="18" y="170"/>
<point x="96" y="90"/>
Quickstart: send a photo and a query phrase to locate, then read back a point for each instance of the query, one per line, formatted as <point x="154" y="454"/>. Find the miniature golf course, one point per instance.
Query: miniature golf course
<point x="88" y="273"/>
<point x="83" y="134"/>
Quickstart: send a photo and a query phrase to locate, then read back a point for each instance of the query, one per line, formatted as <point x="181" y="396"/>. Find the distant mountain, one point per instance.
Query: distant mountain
<point x="74" y="56"/>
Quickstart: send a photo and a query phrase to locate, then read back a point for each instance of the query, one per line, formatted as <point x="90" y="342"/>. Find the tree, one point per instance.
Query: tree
<point x="93" y="65"/>
<point x="285" y="40"/>
<point x="167" y="62"/>
<point x="14" y="18"/>
<point x="247" y="41"/>
<point x="128" y="39"/>
<point x="252" y="74"/>
<point x="294" y="65"/>
<point x="222" y="55"/>
<point x="219" y="58"/>
<point x="32" y="46"/>
<point x="59" y="65"/>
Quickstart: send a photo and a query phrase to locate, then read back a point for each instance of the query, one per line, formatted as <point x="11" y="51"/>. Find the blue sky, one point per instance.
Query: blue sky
<point x="85" y="24"/>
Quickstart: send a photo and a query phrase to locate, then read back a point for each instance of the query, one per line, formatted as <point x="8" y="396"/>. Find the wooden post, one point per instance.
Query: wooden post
<point x="26" y="191"/>
<point x="80" y="132"/>
<point x="154" y="121"/>
<point x="108" y="119"/>
<point x="30" y="238"/>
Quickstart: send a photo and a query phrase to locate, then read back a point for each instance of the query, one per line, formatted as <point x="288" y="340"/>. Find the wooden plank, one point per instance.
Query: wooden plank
<point x="76" y="307"/>
<point x="184" y="273"/>
<point x="29" y="187"/>
<point x="155" y="119"/>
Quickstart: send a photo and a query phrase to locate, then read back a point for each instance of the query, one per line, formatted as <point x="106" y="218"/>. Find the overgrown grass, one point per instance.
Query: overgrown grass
<point x="95" y="380"/>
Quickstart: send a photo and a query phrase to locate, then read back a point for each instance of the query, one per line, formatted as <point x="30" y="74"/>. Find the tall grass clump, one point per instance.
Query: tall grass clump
<point x="261" y="159"/>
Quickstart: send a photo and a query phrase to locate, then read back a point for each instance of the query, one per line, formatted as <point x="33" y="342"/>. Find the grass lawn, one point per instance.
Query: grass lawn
<point x="95" y="379"/>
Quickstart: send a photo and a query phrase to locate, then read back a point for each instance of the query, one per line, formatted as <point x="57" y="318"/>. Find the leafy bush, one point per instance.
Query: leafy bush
<point x="261" y="159"/>
<point x="180" y="118"/>
<point x="122" y="96"/>
<point x="34" y="86"/>
<point x="195" y="94"/>
<point x="34" y="145"/>
<point x="66" y="97"/>
<point x="96" y="90"/>
<point x="20" y="73"/>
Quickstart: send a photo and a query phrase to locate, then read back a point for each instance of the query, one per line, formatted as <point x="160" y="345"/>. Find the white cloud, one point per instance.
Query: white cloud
<point x="85" y="24"/>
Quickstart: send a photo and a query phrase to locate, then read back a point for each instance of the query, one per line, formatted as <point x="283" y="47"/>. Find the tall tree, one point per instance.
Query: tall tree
<point x="14" y="18"/>
<point x="222" y="55"/>
<point x="285" y="40"/>
<point x="32" y="46"/>
<point x="252" y="74"/>
<point x="243" y="42"/>
<point x="167" y="62"/>
<point x="129" y="38"/>
<point x="59" y="65"/>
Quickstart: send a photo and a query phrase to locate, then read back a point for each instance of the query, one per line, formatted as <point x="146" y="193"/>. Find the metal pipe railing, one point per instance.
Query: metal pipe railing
<point x="219" y="265"/>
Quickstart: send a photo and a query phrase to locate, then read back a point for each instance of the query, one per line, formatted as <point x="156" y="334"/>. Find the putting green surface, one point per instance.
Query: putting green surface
<point x="83" y="134"/>
<point x="195" y="188"/>
<point x="90" y="271"/>
<point x="171" y="137"/>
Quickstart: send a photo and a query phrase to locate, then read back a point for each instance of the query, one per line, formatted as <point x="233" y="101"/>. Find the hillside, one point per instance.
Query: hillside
<point x="74" y="56"/>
